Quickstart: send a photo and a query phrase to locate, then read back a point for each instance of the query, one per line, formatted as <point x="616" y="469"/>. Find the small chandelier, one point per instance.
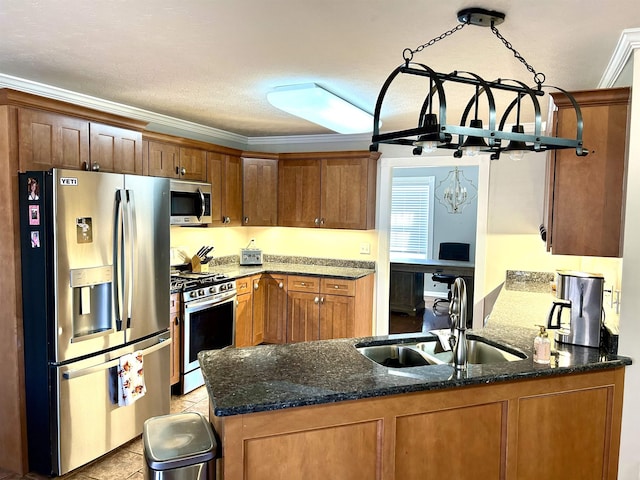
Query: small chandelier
<point x="433" y="131"/>
<point x="458" y="192"/>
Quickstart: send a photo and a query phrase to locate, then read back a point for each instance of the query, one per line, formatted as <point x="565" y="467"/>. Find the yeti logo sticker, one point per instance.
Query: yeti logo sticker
<point x="68" y="181"/>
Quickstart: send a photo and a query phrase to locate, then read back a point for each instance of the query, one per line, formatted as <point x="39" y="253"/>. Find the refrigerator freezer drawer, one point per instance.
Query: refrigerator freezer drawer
<point x="90" y="424"/>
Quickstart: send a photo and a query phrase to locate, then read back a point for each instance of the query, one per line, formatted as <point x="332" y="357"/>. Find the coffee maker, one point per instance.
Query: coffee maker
<point x="580" y="293"/>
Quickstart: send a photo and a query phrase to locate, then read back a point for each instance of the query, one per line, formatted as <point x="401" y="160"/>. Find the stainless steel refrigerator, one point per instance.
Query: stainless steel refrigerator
<point x="95" y="270"/>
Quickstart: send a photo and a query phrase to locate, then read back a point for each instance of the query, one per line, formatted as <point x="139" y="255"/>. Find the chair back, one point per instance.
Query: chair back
<point x="454" y="251"/>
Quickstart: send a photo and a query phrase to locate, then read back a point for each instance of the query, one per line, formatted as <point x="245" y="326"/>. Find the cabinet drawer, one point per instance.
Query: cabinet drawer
<point x="337" y="286"/>
<point x="174" y="303"/>
<point x="243" y="285"/>
<point x="303" y="284"/>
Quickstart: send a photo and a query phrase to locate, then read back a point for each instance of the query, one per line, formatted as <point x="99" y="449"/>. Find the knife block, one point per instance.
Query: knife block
<point x="197" y="266"/>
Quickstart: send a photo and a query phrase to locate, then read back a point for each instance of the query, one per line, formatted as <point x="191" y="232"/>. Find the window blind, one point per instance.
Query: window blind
<point x="411" y="205"/>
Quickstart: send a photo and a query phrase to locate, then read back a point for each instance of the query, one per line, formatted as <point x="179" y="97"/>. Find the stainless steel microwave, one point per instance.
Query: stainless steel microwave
<point x="190" y="203"/>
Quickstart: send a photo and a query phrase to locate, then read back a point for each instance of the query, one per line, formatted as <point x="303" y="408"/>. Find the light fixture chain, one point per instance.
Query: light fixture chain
<point x="539" y="78"/>
<point x="407" y="53"/>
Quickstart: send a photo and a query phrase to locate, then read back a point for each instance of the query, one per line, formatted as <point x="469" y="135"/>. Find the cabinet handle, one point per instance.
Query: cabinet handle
<point x="183" y="171"/>
<point x="85" y="166"/>
<point x="95" y="167"/>
<point x="255" y="285"/>
<point x="226" y="220"/>
<point x="322" y="300"/>
<point x="237" y="303"/>
<point x="317" y="221"/>
<point x="303" y="284"/>
<point x="316" y="300"/>
<point x="336" y="286"/>
<point x="280" y="285"/>
<point x="176" y="321"/>
<point x="246" y="220"/>
<point x="322" y="221"/>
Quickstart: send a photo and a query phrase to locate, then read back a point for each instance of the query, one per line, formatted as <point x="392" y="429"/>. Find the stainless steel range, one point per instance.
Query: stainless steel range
<point x="209" y="314"/>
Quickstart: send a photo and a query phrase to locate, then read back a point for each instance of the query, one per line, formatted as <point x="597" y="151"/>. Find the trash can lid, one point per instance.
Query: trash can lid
<point x="177" y="440"/>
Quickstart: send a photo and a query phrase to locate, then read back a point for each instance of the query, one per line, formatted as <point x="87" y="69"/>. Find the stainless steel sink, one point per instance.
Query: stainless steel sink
<point x="478" y="352"/>
<point x="395" y="356"/>
<point x="431" y="353"/>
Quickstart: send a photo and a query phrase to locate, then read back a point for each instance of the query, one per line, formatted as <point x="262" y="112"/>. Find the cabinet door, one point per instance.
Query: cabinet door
<point x="299" y="193"/>
<point x="244" y="320"/>
<point x="483" y="430"/>
<point x="259" y="191"/>
<point x="337" y="317"/>
<point x="232" y="190"/>
<point x="163" y="160"/>
<point x="578" y="423"/>
<point x="258" y="318"/>
<point x="176" y="338"/>
<point x="193" y="164"/>
<point x="48" y="140"/>
<point x="274" y="297"/>
<point x="588" y="192"/>
<point x="303" y="317"/>
<point x="115" y="149"/>
<point x="345" y="193"/>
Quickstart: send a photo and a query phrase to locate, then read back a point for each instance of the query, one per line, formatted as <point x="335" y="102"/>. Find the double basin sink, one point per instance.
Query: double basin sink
<point x="431" y="352"/>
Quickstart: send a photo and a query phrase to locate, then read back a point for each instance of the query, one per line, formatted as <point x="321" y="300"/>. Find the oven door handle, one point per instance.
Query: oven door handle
<point x="190" y="305"/>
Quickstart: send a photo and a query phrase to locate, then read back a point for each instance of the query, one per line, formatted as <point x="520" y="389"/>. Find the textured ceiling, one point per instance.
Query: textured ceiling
<point x="213" y="61"/>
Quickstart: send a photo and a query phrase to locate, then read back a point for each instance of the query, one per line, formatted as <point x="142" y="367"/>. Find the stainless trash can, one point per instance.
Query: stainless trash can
<point x="179" y="446"/>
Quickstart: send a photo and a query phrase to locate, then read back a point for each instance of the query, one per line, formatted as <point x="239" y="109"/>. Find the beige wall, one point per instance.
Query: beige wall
<point x="629" y="324"/>
<point x="310" y="242"/>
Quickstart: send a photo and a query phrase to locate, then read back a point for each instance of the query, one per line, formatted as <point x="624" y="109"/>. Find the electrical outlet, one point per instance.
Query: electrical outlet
<point x="365" y="248"/>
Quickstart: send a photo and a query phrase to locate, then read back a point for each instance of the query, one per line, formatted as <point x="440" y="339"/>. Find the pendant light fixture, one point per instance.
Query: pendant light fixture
<point x="433" y="131"/>
<point x="456" y="191"/>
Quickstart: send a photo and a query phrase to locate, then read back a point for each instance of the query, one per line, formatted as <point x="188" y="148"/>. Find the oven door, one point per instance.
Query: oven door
<point x="208" y="325"/>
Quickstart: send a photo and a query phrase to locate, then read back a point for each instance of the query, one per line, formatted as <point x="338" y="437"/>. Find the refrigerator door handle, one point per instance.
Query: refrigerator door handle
<point x="71" y="374"/>
<point x="117" y="259"/>
<point x="130" y="257"/>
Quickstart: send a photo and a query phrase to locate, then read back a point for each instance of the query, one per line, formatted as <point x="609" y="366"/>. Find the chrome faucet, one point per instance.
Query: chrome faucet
<point x="458" y="314"/>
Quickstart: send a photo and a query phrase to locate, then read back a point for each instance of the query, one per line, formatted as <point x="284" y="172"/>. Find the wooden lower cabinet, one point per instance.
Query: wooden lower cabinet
<point x="244" y="313"/>
<point x="176" y="337"/>
<point x="325" y="308"/>
<point x="270" y="307"/>
<point x="551" y="427"/>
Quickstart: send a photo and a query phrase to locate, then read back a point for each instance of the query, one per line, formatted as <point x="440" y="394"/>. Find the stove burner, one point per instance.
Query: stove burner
<point x="200" y="285"/>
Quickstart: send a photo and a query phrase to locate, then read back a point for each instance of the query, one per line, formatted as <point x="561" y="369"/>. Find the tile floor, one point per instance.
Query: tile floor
<point x="127" y="462"/>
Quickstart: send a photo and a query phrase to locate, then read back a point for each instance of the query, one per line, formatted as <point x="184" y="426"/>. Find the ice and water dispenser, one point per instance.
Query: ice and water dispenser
<point x="92" y="301"/>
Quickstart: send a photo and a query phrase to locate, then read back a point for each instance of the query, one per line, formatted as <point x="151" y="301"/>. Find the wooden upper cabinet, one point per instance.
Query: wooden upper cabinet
<point x="193" y="164"/>
<point x="115" y="149"/>
<point x="224" y="173"/>
<point x="299" y="192"/>
<point x="586" y="194"/>
<point x="259" y="191"/>
<point x="166" y="159"/>
<point x="162" y="159"/>
<point x="329" y="189"/>
<point x="47" y="140"/>
<point x="349" y="192"/>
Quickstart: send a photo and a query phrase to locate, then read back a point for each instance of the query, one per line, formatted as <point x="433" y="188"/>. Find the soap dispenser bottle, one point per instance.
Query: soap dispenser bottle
<point x="542" y="347"/>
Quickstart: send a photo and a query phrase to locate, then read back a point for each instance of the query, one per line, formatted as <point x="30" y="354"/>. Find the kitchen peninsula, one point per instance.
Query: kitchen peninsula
<point x="323" y="410"/>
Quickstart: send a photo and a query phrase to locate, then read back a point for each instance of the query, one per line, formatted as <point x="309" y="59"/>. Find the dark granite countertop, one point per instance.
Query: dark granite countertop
<point x="273" y="377"/>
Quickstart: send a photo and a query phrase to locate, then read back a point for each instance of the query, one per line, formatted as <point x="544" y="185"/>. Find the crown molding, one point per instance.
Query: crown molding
<point x="629" y="41"/>
<point x="171" y="125"/>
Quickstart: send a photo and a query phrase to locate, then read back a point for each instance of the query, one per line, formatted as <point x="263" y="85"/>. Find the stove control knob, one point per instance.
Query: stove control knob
<point x="223" y="287"/>
<point x="201" y="292"/>
<point x="193" y="294"/>
<point x="212" y="290"/>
